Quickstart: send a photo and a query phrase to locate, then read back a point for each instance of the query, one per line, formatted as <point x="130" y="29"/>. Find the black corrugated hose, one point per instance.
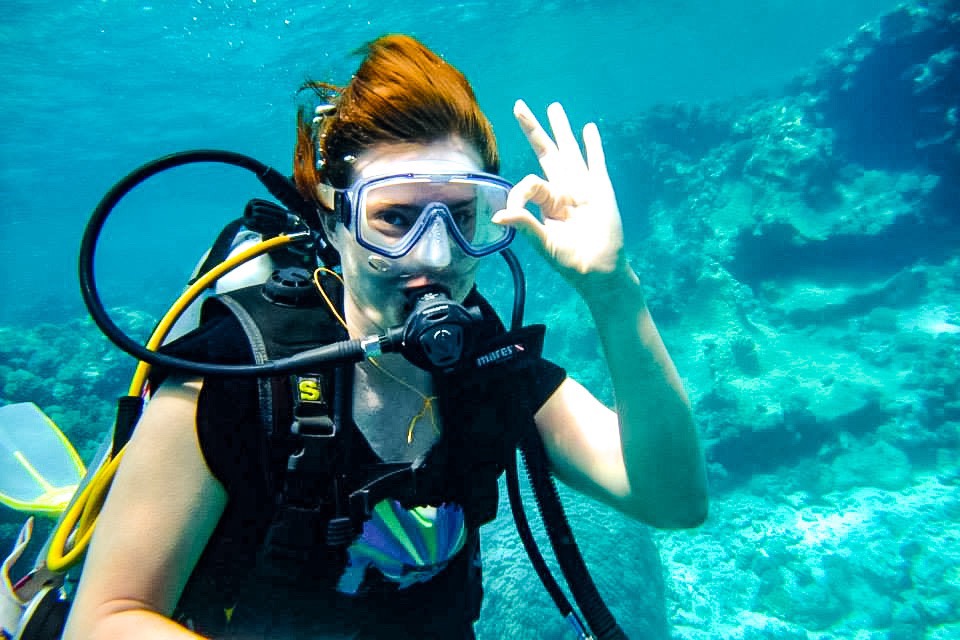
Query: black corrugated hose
<point x="533" y="551"/>
<point x="594" y="610"/>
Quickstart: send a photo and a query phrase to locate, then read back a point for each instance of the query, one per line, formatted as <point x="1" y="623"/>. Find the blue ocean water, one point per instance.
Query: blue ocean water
<point x="796" y="239"/>
<point x="96" y="88"/>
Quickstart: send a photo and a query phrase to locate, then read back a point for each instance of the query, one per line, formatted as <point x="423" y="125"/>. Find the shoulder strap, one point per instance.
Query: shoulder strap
<point x="259" y="349"/>
<point x="301" y="417"/>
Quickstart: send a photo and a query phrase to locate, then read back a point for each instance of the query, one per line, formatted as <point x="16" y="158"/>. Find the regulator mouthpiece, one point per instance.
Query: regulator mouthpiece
<point x="438" y="334"/>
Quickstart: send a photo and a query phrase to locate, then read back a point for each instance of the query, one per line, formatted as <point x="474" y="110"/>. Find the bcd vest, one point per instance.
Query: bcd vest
<point x="319" y="480"/>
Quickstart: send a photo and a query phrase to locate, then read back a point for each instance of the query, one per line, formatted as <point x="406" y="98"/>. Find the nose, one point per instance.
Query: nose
<point x="433" y="249"/>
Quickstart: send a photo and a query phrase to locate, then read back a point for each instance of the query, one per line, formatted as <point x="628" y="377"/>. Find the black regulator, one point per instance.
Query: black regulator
<point x="438" y="334"/>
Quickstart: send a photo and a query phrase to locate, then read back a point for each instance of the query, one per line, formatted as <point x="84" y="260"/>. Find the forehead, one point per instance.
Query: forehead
<point x="391" y="159"/>
<point x="419" y="192"/>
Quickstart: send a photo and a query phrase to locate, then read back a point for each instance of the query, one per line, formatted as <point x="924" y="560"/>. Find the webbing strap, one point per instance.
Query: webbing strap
<point x="259" y="348"/>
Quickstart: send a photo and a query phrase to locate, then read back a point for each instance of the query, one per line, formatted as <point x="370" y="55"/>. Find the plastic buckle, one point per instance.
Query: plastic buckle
<point x="400" y="485"/>
<point x="360" y="508"/>
<point x="315" y="436"/>
<point x="314" y="426"/>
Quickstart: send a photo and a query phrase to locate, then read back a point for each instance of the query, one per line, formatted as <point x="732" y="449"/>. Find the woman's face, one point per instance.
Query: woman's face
<point x="376" y="286"/>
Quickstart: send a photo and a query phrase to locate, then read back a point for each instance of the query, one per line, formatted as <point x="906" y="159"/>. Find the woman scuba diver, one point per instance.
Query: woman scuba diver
<point x="346" y="503"/>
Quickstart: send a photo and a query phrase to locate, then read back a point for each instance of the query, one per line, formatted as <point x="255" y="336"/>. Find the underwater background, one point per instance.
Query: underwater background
<point x="788" y="176"/>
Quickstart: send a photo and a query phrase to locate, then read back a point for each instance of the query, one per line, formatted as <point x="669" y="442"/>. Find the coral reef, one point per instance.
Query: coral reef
<point x="800" y="255"/>
<point x="852" y="561"/>
<point x="75" y="375"/>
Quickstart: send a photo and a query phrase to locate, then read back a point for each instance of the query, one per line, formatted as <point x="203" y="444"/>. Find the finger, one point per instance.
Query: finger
<point x="540" y="141"/>
<point x="524" y="222"/>
<point x="566" y="142"/>
<point x="516" y="214"/>
<point x="596" y="160"/>
<point x="536" y="190"/>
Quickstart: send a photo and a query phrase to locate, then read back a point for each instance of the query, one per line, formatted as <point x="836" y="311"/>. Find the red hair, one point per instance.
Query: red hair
<point x="402" y="92"/>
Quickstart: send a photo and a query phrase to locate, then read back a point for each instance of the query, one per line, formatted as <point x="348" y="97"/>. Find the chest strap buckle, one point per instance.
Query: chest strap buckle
<point x="314" y="437"/>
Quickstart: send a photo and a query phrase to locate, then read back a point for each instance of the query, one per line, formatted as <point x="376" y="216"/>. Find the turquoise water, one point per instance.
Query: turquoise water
<point x="798" y="253"/>
<point x="95" y="88"/>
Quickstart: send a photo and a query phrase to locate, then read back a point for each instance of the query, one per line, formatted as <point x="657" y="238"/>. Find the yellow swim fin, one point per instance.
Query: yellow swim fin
<point x="39" y="468"/>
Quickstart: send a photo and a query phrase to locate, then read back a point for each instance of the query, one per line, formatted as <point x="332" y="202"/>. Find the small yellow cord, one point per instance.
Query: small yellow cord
<point x="427" y="406"/>
<point x="427" y="400"/>
<point x="326" y="298"/>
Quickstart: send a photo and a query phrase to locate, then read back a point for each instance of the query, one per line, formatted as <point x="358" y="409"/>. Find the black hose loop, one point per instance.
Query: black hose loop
<point x="282" y="189"/>
<point x="91" y="234"/>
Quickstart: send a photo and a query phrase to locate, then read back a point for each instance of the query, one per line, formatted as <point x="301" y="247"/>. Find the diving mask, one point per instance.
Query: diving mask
<point x="390" y="214"/>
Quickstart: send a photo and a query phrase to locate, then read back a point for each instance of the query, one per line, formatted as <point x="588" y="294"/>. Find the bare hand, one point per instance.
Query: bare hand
<point x="580" y="231"/>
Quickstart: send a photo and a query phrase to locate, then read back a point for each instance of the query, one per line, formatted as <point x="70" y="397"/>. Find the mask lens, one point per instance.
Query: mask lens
<point x="476" y="221"/>
<point x="393" y="213"/>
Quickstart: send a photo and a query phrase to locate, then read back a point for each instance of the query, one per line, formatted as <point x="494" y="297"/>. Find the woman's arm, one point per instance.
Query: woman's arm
<point x="645" y="459"/>
<point x="162" y="508"/>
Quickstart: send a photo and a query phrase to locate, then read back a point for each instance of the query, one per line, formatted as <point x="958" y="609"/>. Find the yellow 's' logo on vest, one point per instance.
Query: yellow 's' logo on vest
<point x="310" y="390"/>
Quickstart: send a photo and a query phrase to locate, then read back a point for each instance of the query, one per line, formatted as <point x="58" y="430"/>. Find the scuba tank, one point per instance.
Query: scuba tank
<point x="262" y="220"/>
<point x="293" y="234"/>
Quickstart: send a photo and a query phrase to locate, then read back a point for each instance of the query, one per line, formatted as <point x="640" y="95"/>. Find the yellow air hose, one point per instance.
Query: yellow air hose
<point x="84" y="510"/>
